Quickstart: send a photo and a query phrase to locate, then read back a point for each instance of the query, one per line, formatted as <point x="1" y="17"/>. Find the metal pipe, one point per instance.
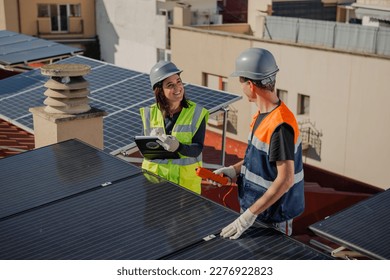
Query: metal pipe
<point x="225" y="113"/>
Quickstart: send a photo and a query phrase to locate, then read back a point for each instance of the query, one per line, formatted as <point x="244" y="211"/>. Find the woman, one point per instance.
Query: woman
<point x="180" y="124"/>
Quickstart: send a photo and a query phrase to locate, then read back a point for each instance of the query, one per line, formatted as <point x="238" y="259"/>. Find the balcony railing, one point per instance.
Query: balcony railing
<point x="75" y="25"/>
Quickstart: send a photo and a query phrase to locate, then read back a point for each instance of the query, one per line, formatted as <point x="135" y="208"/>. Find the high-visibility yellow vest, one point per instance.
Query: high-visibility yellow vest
<point x="180" y="171"/>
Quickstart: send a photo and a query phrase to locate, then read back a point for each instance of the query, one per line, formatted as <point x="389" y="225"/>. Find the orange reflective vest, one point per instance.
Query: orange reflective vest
<point x="258" y="173"/>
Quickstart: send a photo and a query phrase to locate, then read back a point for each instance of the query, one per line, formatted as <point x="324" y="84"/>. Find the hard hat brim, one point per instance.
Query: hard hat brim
<point x="162" y="78"/>
<point x="252" y="76"/>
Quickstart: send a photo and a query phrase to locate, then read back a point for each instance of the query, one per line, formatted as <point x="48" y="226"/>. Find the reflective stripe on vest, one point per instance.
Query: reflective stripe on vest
<point x="250" y="176"/>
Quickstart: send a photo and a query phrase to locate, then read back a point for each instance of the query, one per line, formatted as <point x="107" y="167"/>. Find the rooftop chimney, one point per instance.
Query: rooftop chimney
<point x="67" y="114"/>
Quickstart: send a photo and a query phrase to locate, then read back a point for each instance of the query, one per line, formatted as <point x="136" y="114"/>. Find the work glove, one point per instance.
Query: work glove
<point x="228" y="171"/>
<point x="169" y="142"/>
<point x="241" y="224"/>
<point x="156" y="132"/>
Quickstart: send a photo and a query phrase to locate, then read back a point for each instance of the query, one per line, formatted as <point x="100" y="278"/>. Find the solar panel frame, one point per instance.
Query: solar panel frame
<point x="257" y="243"/>
<point x="363" y="227"/>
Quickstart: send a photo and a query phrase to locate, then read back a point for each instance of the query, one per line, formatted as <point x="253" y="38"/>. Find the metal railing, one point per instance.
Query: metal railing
<point x="75" y="25"/>
<point x="337" y="35"/>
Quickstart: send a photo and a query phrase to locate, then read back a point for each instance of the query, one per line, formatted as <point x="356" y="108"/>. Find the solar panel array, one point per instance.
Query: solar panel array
<point x="72" y="201"/>
<point x="363" y="227"/>
<point x="120" y="92"/>
<point x="18" y="48"/>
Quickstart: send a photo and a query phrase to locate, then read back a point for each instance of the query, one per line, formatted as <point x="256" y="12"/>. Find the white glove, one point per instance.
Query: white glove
<point x="241" y="224"/>
<point x="228" y="171"/>
<point x="156" y="132"/>
<point x="169" y="142"/>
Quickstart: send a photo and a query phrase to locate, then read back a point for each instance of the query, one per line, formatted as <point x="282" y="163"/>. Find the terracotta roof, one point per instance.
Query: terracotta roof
<point x="14" y="140"/>
<point x="235" y="150"/>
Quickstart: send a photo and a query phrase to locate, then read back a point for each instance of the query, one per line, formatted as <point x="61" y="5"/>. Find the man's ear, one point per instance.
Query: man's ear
<point x="251" y="85"/>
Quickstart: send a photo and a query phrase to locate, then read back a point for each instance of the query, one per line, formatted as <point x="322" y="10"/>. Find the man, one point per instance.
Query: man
<point x="270" y="181"/>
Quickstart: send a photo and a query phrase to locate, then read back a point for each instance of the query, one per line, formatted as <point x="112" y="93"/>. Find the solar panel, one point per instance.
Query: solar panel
<point x="72" y="215"/>
<point x="120" y="92"/>
<point x="59" y="170"/>
<point x="18" y="48"/>
<point x="363" y="227"/>
<point x="257" y="243"/>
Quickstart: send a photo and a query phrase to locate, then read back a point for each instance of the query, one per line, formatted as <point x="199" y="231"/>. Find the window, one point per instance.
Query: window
<point x="282" y="94"/>
<point x="75" y="10"/>
<point x="43" y="10"/>
<point x="303" y="104"/>
<point x="216" y="119"/>
<point x="214" y="81"/>
<point x="168" y="15"/>
<point x="163" y="54"/>
<point x="59" y="15"/>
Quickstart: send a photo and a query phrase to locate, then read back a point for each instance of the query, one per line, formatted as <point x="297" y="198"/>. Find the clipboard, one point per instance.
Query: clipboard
<point x="151" y="149"/>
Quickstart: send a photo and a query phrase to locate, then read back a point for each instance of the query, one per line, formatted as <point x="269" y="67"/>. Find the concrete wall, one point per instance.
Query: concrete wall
<point x="379" y="3"/>
<point x="130" y="32"/>
<point x="348" y="95"/>
<point x="257" y="8"/>
<point x="53" y="128"/>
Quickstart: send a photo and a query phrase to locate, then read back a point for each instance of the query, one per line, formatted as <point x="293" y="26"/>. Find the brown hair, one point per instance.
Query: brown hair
<point x="268" y="85"/>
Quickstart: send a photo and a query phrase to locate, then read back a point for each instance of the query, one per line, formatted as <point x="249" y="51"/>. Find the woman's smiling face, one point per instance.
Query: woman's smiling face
<point x="173" y="88"/>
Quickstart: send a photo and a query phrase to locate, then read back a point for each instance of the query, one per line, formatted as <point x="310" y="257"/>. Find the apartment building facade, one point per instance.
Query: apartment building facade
<point x="339" y="97"/>
<point x="70" y="22"/>
<point x="135" y="34"/>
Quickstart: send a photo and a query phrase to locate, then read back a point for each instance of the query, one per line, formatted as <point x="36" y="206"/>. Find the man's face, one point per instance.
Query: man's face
<point x="247" y="89"/>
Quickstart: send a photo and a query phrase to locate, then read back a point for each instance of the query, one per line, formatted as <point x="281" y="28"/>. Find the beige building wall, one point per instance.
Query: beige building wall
<point x="349" y="96"/>
<point x="380" y="3"/>
<point x="53" y="128"/>
<point x="9" y="15"/>
<point x="29" y="15"/>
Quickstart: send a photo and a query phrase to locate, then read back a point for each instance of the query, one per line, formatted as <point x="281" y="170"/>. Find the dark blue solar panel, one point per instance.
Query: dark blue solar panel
<point x="26" y="122"/>
<point x="127" y="93"/>
<point x="363" y="227"/>
<point x="9" y="37"/>
<point x="211" y="99"/>
<point x="36" y="75"/>
<point x="257" y="243"/>
<point x="146" y="103"/>
<point x="72" y="201"/>
<point x="121" y="128"/>
<point x="16" y="84"/>
<point x="17" y="48"/>
<point x="102" y="105"/>
<point x="18" y="105"/>
<point x="30" y="180"/>
<point x="82" y="60"/>
<point x="107" y="75"/>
